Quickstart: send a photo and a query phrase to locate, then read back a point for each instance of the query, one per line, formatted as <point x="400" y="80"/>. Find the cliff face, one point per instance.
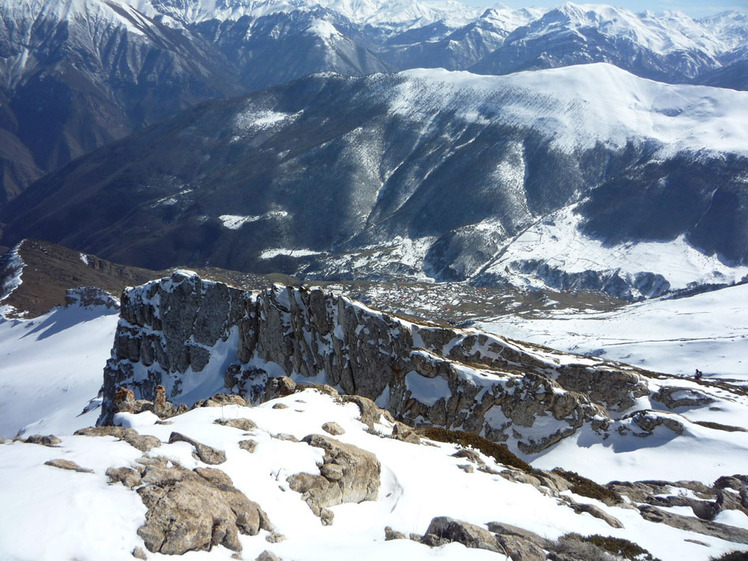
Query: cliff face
<point x="197" y="338"/>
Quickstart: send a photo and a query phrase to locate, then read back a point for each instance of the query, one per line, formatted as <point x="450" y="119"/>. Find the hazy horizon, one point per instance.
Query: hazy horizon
<point x="694" y="8"/>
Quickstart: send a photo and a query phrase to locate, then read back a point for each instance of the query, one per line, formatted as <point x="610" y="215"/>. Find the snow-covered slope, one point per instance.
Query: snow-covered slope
<point x="85" y="518"/>
<point x="705" y="331"/>
<point x="51" y="367"/>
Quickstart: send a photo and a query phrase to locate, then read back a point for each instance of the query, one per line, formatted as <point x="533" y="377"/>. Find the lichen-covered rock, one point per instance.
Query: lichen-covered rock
<point x="333" y="428"/>
<point x="240" y="423"/>
<point x="194" y="510"/>
<point x="348" y="474"/>
<point x="144" y="443"/>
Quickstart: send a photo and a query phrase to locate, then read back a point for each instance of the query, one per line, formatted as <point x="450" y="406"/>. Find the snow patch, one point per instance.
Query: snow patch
<point x="272" y="253"/>
<point x="427" y="390"/>
<point x="236" y="221"/>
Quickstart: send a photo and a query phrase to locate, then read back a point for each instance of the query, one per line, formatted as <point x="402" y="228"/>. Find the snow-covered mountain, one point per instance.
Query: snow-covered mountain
<point x="77" y="74"/>
<point x="424" y="174"/>
<point x="669" y="47"/>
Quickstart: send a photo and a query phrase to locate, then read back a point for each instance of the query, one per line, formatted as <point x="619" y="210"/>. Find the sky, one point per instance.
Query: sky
<point x="694" y="8"/>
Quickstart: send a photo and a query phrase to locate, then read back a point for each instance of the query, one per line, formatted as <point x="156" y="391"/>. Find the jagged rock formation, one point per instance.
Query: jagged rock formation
<point x="184" y="339"/>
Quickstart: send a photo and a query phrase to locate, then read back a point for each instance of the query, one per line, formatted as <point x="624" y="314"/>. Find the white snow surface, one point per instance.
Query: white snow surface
<point x="275" y="252"/>
<point x="706" y="331"/>
<point x="51" y="367"/>
<point x="581" y="106"/>
<point x="236" y="221"/>
<point x="86" y="518"/>
<point x="557" y="241"/>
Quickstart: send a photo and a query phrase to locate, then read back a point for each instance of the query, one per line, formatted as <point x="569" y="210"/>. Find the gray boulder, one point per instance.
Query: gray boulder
<point x="348" y="474"/>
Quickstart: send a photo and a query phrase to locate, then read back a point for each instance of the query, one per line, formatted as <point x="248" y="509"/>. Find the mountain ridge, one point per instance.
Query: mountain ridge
<point x="138" y="61"/>
<point x="448" y="168"/>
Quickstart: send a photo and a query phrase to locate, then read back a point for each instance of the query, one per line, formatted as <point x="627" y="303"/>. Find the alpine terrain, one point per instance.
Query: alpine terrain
<point x="300" y="280"/>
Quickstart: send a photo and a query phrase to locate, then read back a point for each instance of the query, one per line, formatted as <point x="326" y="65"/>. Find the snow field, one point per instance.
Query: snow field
<point x="86" y="516"/>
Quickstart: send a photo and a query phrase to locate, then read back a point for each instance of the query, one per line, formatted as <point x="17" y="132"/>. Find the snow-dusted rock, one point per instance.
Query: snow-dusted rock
<point x="193" y="510"/>
<point x="197" y="338"/>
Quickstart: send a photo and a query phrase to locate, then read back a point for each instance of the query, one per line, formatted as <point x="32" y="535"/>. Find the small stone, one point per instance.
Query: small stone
<point x="326" y="516"/>
<point x="241" y="424"/>
<point x="268" y="556"/>
<point x="275" y="537"/>
<point x="67" y="464"/>
<point x="127" y="476"/>
<point x="248" y="445"/>
<point x="390" y="534"/>
<point x="401" y="431"/>
<point x="467" y="468"/>
<point x="203" y="452"/>
<point x="287" y="437"/>
<point x="280" y="406"/>
<point x="333" y="428"/>
<point x="45" y="440"/>
<point x="138" y="553"/>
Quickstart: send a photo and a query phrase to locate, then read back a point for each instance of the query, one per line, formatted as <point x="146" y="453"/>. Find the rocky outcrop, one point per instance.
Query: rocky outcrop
<point x="190" y="510"/>
<point x="348" y="474"/>
<point x="182" y="332"/>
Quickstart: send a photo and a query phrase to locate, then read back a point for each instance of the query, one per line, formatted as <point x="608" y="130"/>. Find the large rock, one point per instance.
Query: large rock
<point x="348" y="474"/>
<point x="465" y="533"/>
<point x="191" y="510"/>
<point x="180" y="329"/>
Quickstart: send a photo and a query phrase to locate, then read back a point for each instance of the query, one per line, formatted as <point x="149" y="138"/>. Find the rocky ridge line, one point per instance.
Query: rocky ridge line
<point x="197" y="338"/>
